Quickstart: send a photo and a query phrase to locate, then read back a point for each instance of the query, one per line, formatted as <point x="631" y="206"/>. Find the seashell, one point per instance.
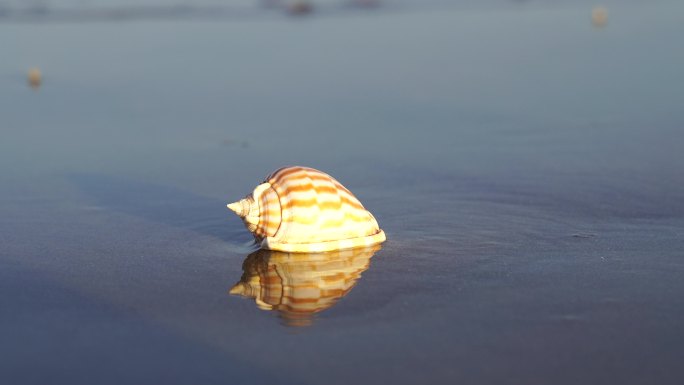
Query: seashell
<point x="300" y="209"/>
<point x="299" y="285"/>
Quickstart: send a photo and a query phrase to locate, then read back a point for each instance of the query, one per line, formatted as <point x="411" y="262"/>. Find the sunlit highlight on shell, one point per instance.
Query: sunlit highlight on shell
<point x="300" y="209"/>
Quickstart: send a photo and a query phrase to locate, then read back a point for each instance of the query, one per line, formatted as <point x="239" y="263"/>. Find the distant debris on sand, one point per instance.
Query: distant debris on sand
<point x="366" y="3"/>
<point x="35" y="77"/>
<point x="599" y="16"/>
<point x="299" y="7"/>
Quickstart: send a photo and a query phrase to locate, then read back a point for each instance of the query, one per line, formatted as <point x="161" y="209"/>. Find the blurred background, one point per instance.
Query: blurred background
<point x="524" y="158"/>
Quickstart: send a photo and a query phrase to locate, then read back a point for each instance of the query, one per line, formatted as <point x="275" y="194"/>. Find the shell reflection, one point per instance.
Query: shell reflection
<point x="299" y="285"/>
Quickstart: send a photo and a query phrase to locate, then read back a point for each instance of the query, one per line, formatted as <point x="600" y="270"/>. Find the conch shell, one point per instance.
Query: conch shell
<point x="299" y="209"/>
<point x="299" y="285"/>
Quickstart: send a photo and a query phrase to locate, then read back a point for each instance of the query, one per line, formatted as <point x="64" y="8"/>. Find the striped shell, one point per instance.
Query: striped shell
<point x="299" y="209"/>
<point x="299" y="285"/>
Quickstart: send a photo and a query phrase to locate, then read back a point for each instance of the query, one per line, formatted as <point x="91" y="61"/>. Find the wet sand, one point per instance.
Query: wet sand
<point x="525" y="165"/>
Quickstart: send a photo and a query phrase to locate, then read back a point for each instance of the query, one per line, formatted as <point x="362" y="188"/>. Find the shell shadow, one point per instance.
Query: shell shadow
<point x="300" y="285"/>
<point x="163" y="204"/>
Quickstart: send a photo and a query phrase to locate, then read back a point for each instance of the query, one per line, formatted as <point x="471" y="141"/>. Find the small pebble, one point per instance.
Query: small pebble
<point x="35" y="78"/>
<point x="599" y="16"/>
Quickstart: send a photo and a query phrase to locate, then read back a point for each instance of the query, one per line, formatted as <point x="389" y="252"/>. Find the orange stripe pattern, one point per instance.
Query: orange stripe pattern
<point x="306" y="210"/>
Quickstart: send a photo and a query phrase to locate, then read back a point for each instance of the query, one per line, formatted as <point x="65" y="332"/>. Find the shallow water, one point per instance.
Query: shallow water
<point x="526" y="167"/>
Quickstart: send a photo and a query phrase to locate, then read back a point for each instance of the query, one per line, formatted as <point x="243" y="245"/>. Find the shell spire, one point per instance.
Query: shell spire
<point x="300" y="209"/>
<point x="241" y="207"/>
<point x="248" y="210"/>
